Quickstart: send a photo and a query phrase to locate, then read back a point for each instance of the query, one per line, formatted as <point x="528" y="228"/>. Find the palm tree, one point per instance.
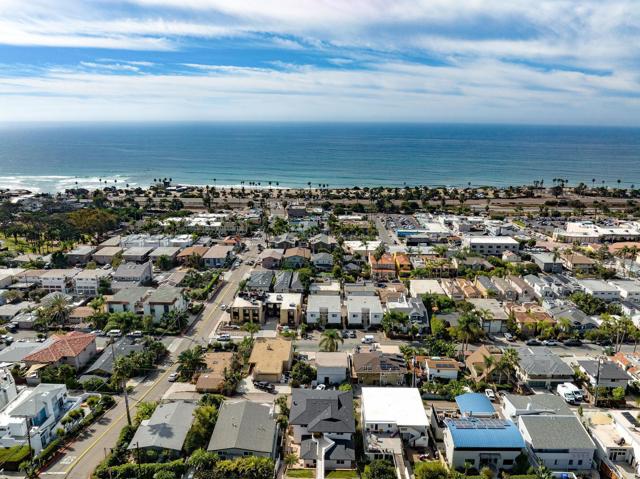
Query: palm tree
<point x="190" y="361"/>
<point x="469" y="328"/>
<point x="329" y="340"/>
<point x="58" y="309"/>
<point x="489" y="363"/>
<point x="511" y="359"/>
<point x="543" y="473"/>
<point x="122" y="370"/>
<point x="251" y="328"/>
<point x="97" y="304"/>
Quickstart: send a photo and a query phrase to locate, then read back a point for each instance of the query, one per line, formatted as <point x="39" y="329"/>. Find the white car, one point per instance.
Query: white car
<point x="368" y="339"/>
<point x="223" y="307"/>
<point x="550" y="342"/>
<point x="321" y="387"/>
<point x="173" y="377"/>
<point x="490" y="394"/>
<point x="224" y="337"/>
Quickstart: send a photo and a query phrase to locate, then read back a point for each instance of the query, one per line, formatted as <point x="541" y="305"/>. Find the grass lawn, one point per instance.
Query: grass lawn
<point x="346" y="474"/>
<point x="310" y="473"/>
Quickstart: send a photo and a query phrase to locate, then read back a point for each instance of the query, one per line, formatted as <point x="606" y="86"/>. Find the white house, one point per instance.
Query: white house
<point x="332" y="367"/>
<point x="607" y="374"/>
<point x="599" y="289"/>
<point x="559" y="443"/>
<point x="393" y="418"/>
<point x="87" y="282"/>
<point x="134" y="272"/>
<point x="165" y="300"/>
<point x="490" y="245"/>
<point x="629" y="290"/>
<point x="58" y="280"/>
<point x="441" y="368"/>
<point x="364" y="311"/>
<point x="514" y="405"/>
<point x="41" y="407"/>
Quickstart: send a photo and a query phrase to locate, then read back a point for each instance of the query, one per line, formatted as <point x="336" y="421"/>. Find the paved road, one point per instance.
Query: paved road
<point x="84" y="455"/>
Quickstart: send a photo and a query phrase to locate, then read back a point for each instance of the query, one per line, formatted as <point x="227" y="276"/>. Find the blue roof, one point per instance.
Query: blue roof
<point x="474" y="404"/>
<point x="473" y="432"/>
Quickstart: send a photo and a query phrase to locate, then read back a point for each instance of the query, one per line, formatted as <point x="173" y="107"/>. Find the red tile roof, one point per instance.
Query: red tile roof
<point x="61" y="346"/>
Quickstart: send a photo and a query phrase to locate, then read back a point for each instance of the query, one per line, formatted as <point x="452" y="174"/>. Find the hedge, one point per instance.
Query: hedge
<point x="11" y="457"/>
<point x="141" y="471"/>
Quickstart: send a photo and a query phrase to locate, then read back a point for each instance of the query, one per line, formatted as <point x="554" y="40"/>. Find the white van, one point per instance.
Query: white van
<point x="575" y="390"/>
<point x="368" y="339"/>
<point x="565" y="393"/>
<point x="114" y="333"/>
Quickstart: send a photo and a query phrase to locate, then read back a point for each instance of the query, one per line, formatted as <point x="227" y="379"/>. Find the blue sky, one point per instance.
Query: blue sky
<point x="523" y="61"/>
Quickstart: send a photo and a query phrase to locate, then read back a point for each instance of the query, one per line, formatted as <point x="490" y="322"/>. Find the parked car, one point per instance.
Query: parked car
<point x="533" y="342"/>
<point x="490" y="394"/>
<point x="321" y="387"/>
<point x="114" y="333"/>
<point x="135" y="334"/>
<point x="222" y="337"/>
<point x="368" y="339"/>
<point x="344" y="334"/>
<point x="572" y="342"/>
<point x="264" y="386"/>
<point x="173" y="377"/>
<point x="223" y="307"/>
<point x="352" y="334"/>
<point x="551" y="342"/>
<point x="509" y="337"/>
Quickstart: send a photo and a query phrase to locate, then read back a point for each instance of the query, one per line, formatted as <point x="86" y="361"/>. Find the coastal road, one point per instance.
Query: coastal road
<point x="82" y="457"/>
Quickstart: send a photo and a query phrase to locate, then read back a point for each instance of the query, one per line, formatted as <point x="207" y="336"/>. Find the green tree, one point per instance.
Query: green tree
<point x="543" y="473"/>
<point x="190" y="361"/>
<point x="469" y="329"/>
<point x="329" y="340"/>
<point x="204" y="421"/>
<point x="202" y="460"/>
<point x="303" y="373"/>
<point x="379" y="469"/>
<point x="251" y="328"/>
<point x="431" y="470"/>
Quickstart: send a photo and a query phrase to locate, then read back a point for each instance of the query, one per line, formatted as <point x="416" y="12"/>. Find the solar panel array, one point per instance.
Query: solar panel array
<point x="479" y="424"/>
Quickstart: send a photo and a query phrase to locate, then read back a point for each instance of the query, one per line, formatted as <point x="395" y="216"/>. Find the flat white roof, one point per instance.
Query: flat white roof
<point x="423" y="286"/>
<point x="490" y="240"/>
<point x="401" y="406"/>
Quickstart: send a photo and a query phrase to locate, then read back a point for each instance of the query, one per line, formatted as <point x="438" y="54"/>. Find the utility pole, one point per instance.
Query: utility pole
<point x="595" y="402"/>
<point x="123" y="384"/>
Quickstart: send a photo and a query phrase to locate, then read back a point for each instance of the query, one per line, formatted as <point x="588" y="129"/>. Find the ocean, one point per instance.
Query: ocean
<point x="54" y="157"/>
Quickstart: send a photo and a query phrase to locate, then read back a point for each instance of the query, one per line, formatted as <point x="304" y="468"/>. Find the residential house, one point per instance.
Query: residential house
<point x="75" y="349"/>
<point x="496" y="320"/>
<point x="166" y="430"/>
<point x="107" y="254"/>
<point x="600" y="289"/>
<point x="414" y="308"/>
<point x="260" y="281"/>
<point x="378" y="369"/>
<point x="419" y="287"/>
<point x="324" y="310"/>
<point x="81" y="254"/>
<point x="541" y="287"/>
<point x="126" y="300"/>
<point x="246" y="310"/>
<point x="403" y="264"/>
<point x="451" y="289"/>
<point x="547" y="262"/>
<point x="383" y="268"/>
<point x="212" y="379"/>
<point x="165" y="300"/>
<point x="472" y="263"/>
<point x="505" y="290"/>
<point x="322" y="242"/>
<point x="244" y="428"/>
<point x="468" y="289"/>
<point x="219" y="256"/>
<point x="629" y="290"/>
<point x="41" y="407"/>
<point x="103" y="366"/>
<point x="559" y="443"/>
<point x="325" y="288"/>
<point x="284" y="241"/>
<point x="332" y="368"/>
<point x="137" y="254"/>
<point x="322" y="424"/>
<point x="296" y="257"/>
<point x="141" y="274"/>
<point x="270" y="358"/>
<point x="486" y="287"/>
<point x="196" y="252"/>
<point x="60" y="280"/>
<point x="170" y="252"/>
<point x="481" y="442"/>
<point x="364" y="311"/>
<point x="514" y="405"/>
<point x="490" y="245"/>
<point x="524" y="291"/>
<point x="285" y="307"/>
<point x="322" y="261"/>
<point x="270" y="258"/>
<point x="539" y="367"/>
<point x="606" y="374"/>
<point x="363" y="288"/>
<point x="629" y="362"/>
<point x="578" y="263"/>
<point x="441" y="368"/>
<point x="528" y="317"/>
<point x="476" y="363"/>
<point x="475" y="405"/>
<point x="87" y="282"/>
<point x="392" y="419"/>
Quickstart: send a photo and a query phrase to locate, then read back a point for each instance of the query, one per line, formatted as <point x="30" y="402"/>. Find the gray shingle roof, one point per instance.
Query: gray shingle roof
<point x="608" y="370"/>
<point x="167" y="428"/>
<point x="557" y="432"/>
<point x="322" y="411"/>
<point x="343" y="450"/>
<point x="244" y="425"/>
<point x="541" y="362"/>
<point x="550" y="403"/>
<point x="104" y="363"/>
